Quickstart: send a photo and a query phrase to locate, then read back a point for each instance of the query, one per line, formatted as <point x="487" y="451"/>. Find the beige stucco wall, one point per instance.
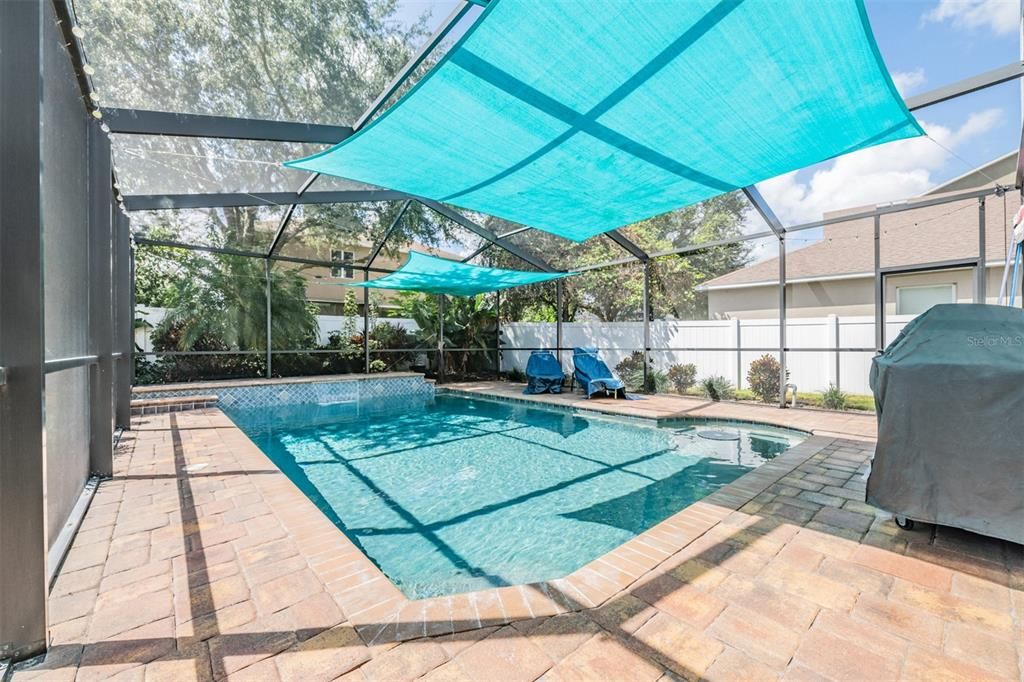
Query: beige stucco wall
<point x="839" y="297"/>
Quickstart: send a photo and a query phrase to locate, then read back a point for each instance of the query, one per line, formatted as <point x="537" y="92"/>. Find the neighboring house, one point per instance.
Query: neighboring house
<point x="323" y="284"/>
<point x="836" y="274"/>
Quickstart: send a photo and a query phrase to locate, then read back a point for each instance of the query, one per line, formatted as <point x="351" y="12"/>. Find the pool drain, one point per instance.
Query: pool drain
<point x="714" y="434"/>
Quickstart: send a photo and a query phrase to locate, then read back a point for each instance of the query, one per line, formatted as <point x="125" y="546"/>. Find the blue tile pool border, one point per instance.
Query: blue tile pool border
<point x="275" y="392"/>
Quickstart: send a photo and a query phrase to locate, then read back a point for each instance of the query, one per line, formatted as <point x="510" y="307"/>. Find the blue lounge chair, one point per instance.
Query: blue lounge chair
<point x="593" y="375"/>
<point x="543" y="373"/>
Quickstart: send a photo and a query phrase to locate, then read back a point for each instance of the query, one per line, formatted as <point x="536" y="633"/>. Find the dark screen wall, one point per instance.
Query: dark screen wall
<point x="66" y="313"/>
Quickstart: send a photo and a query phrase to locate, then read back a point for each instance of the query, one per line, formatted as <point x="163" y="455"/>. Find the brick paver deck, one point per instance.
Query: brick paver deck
<point x="200" y="560"/>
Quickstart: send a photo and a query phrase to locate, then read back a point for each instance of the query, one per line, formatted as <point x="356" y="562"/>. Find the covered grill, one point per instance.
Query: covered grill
<point x="950" y="398"/>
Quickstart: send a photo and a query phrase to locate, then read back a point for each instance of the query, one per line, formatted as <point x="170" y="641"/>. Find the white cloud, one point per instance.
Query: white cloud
<point x="1000" y="16"/>
<point x="888" y="172"/>
<point x="907" y="81"/>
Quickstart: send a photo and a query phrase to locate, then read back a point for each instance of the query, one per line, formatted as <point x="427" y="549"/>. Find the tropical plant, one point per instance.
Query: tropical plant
<point x="717" y="387"/>
<point x="682" y="377"/>
<point x="833" y="398"/>
<point x="516" y="375"/>
<point x="470" y="322"/>
<point x="223" y="301"/>
<point x="763" y="377"/>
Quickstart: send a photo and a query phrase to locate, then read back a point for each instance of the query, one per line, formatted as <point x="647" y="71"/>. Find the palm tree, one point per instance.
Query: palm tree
<point x="223" y="298"/>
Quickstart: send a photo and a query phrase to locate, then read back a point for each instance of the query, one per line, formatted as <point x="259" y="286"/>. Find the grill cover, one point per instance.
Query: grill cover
<point x="950" y="398"/>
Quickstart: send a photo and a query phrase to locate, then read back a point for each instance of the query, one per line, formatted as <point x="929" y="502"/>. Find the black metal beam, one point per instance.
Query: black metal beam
<point x="286" y="218"/>
<point x="626" y="243"/>
<point x="488" y="245"/>
<point x="387" y="233"/>
<point x="155" y="202"/>
<point x="227" y="251"/>
<point x="482" y="231"/>
<point x="421" y="54"/>
<point x="101" y="304"/>
<point x="966" y="86"/>
<point x="144" y="122"/>
<point x="765" y="211"/>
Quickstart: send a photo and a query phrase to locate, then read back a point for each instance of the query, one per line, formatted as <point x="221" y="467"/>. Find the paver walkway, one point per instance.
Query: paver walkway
<point x="199" y="560"/>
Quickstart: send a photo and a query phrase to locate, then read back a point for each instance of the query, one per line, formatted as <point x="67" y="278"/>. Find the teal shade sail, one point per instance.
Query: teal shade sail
<point x="580" y="116"/>
<point x="433" y="275"/>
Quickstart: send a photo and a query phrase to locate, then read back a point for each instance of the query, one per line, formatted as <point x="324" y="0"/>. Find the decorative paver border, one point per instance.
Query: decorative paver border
<point x="382" y="613"/>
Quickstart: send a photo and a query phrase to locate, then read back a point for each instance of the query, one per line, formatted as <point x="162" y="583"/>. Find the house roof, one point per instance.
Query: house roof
<point x="928" y="235"/>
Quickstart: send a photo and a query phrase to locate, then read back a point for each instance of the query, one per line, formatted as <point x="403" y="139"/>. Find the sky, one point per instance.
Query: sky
<point x="925" y="44"/>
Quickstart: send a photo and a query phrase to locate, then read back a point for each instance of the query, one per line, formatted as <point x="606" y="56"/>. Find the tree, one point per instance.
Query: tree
<point x="616" y="293"/>
<point x="470" y="322"/>
<point x="320" y="61"/>
<point x="223" y="298"/>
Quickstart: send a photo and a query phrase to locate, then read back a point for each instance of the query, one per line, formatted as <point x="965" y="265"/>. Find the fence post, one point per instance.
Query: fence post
<point x="832" y="341"/>
<point x="981" y="270"/>
<point x="738" y="345"/>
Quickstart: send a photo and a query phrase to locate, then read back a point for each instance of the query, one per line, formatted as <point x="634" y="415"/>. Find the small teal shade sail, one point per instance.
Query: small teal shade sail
<point x="433" y="275"/>
<point x="580" y="116"/>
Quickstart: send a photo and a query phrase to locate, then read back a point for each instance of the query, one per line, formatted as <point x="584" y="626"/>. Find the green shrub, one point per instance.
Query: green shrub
<point x="516" y="375"/>
<point x="631" y="371"/>
<point x="682" y="377"/>
<point x="763" y="378"/>
<point x="833" y="398"/>
<point x="378" y="365"/>
<point x="717" y="387"/>
<point x="657" y="381"/>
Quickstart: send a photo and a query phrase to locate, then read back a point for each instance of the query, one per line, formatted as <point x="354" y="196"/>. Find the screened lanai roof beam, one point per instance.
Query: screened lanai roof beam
<point x="628" y="245"/>
<point x="482" y="231"/>
<point x="143" y="122"/>
<point x="227" y="251"/>
<point x="378" y="103"/>
<point x="487" y="245"/>
<point x="966" y="86"/>
<point x="156" y="202"/>
<point x="279" y="235"/>
<point x="764" y="210"/>
<point x="387" y="233"/>
<point x="439" y="34"/>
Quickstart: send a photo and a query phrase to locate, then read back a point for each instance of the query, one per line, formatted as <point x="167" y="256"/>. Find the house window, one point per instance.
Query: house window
<point x="345" y="269"/>
<point x="916" y="300"/>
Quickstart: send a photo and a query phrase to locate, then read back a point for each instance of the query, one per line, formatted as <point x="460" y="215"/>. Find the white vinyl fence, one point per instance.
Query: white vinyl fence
<point x="723" y="347"/>
<point x="813" y="361"/>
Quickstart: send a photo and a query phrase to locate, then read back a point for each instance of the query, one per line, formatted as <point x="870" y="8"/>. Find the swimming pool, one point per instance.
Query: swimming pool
<point x="451" y="494"/>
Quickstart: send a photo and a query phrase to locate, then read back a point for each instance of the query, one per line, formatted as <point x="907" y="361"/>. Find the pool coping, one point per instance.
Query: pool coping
<point x="381" y="613"/>
<point x="609" y="412"/>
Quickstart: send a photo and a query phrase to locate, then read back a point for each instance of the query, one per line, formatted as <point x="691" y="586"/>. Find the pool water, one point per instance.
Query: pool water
<point x="451" y="494"/>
